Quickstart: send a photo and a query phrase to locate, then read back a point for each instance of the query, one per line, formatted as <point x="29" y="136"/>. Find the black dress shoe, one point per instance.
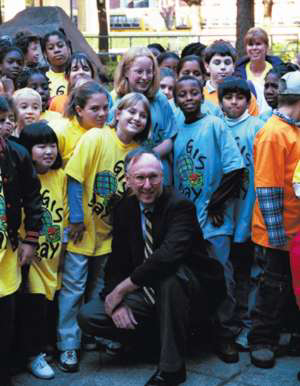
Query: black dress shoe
<point x="227" y="350"/>
<point x="164" y="378"/>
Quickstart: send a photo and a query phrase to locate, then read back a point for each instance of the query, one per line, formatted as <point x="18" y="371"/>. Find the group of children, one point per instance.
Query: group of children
<point x="204" y="129"/>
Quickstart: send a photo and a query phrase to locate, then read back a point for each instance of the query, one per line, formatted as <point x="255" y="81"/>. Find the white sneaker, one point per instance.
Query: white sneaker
<point x="68" y="361"/>
<point x="40" y="368"/>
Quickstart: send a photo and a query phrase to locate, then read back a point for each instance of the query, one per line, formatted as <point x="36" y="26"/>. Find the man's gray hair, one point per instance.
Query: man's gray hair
<point x="136" y="154"/>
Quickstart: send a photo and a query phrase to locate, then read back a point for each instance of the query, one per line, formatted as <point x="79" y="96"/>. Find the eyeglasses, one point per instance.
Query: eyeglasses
<point x="153" y="179"/>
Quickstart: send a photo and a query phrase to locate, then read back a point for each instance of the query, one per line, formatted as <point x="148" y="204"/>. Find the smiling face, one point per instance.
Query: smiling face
<point x="145" y="178"/>
<point x="12" y="64"/>
<point x="95" y="111"/>
<point x="191" y="68"/>
<point x="234" y="104"/>
<point x="33" y="53"/>
<point x="219" y="68"/>
<point x="131" y="121"/>
<point x="271" y="90"/>
<point x="29" y="110"/>
<point x="140" y="74"/>
<point x="79" y="69"/>
<point x="256" y="50"/>
<point x="44" y="156"/>
<point x="39" y="83"/>
<point x="189" y="98"/>
<point x="57" y="52"/>
<point x="167" y="85"/>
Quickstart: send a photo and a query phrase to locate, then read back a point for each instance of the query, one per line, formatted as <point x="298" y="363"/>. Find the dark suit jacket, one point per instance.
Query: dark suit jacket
<point x="178" y="243"/>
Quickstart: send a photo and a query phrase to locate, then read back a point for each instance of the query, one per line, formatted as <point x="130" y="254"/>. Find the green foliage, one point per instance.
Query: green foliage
<point x="287" y="51"/>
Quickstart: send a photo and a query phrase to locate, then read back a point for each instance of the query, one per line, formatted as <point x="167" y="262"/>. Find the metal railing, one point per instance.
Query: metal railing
<point x="287" y="45"/>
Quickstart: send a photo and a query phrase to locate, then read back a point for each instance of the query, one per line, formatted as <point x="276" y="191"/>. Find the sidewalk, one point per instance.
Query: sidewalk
<point x="204" y="369"/>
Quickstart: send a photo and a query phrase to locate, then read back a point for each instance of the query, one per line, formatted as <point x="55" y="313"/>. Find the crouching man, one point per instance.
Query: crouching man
<point x="158" y="271"/>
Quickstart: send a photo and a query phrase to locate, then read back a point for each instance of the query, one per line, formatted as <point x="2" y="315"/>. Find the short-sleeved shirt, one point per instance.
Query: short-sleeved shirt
<point x="244" y="133"/>
<point x="203" y="152"/>
<point x="43" y="274"/>
<point x="58" y="83"/>
<point x="276" y="154"/>
<point x="211" y="94"/>
<point x="68" y="132"/>
<point x="98" y="163"/>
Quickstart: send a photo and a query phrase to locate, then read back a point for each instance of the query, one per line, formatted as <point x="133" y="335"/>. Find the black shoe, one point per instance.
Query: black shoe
<point x="227" y="350"/>
<point x="164" y="378"/>
<point x="262" y="356"/>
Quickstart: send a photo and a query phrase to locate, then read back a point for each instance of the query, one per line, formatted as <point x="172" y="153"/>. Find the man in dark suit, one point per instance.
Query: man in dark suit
<point x="160" y="286"/>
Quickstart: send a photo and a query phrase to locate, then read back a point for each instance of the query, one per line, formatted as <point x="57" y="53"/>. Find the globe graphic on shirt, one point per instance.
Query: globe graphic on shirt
<point x="185" y="167"/>
<point x="51" y="231"/>
<point x="105" y="184"/>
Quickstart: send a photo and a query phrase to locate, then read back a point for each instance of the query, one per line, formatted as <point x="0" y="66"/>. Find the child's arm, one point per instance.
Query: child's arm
<point x="229" y="187"/>
<point x="75" y="193"/>
<point x="164" y="148"/>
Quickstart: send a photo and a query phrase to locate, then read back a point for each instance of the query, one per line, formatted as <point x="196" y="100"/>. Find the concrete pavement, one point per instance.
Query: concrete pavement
<point x="204" y="369"/>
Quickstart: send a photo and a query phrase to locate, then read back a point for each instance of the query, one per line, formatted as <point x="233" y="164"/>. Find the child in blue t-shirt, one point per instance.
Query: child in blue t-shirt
<point x="208" y="169"/>
<point x="234" y="98"/>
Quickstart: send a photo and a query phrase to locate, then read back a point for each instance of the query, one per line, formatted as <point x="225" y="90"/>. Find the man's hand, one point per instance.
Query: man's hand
<point x="26" y="253"/>
<point x="112" y="300"/>
<point x="76" y="232"/>
<point x="116" y="296"/>
<point x="123" y="318"/>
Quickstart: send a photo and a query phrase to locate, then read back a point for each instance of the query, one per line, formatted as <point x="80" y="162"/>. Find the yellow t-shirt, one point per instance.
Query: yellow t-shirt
<point x="260" y="78"/>
<point x="10" y="271"/>
<point x="98" y="163"/>
<point x="68" y="132"/>
<point x="276" y="154"/>
<point x="43" y="274"/>
<point x="50" y="116"/>
<point x="58" y="84"/>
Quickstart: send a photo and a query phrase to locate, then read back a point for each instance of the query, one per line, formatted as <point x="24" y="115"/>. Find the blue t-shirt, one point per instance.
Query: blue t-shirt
<point x="244" y="133"/>
<point x="203" y="152"/>
<point x="163" y="126"/>
<point x="266" y="115"/>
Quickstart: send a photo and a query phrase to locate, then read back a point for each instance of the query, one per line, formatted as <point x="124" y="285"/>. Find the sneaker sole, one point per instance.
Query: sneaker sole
<point x="69" y="369"/>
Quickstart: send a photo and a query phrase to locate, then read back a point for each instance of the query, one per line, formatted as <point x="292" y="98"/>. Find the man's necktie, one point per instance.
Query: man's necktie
<point x="148" y="291"/>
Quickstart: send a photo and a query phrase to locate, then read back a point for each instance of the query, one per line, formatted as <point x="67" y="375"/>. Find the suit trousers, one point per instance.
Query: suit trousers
<point x="170" y="314"/>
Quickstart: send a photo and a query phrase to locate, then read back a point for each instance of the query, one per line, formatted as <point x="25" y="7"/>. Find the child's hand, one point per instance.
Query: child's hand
<point x="217" y="219"/>
<point x="26" y="253"/>
<point x="76" y="232"/>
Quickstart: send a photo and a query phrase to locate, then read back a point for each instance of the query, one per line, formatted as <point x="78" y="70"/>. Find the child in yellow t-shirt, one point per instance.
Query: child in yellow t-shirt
<point x="87" y="108"/>
<point x="28" y="104"/>
<point x="96" y="182"/>
<point x="57" y="50"/>
<point x="43" y="280"/>
<point x="79" y="67"/>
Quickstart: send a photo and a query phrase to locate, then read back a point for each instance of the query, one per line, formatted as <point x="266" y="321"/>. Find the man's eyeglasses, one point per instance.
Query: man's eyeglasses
<point x="153" y="179"/>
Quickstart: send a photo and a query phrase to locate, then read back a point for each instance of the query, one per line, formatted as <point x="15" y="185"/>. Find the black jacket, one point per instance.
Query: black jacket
<point x="178" y="242"/>
<point x="21" y="188"/>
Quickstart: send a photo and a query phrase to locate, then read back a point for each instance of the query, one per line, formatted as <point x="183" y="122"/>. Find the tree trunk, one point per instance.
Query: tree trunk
<point x="103" y="27"/>
<point x="244" y="21"/>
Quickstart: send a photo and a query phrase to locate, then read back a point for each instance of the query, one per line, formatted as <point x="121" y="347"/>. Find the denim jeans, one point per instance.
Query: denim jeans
<point x="82" y="281"/>
<point x="219" y="249"/>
